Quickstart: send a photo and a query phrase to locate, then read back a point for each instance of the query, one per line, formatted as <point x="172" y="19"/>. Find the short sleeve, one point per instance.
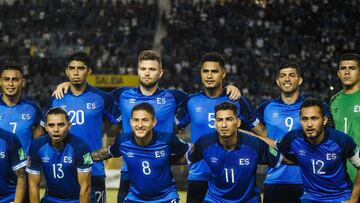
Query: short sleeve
<point x="349" y="147"/>
<point x="197" y="152"/>
<point x="284" y="146"/>
<point x="34" y="162"/>
<point x="247" y="113"/>
<point x="84" y="160"/>
<point x="178" y="146"/>
<point x="17" y="154"/>
<point x="111" y="109"/>
<point x="182" y="117"/>
<point x="260" y="111"/>
<point x="114" y="149"/>
<point x="269" y="156"/>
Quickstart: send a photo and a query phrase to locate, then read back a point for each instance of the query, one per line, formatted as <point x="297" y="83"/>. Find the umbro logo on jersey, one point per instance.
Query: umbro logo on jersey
<point x="275" y="115"/>
<point x="301" y="152"/>
<point x="132" y="101"/>
<point x="45" y="159"/>
<point x="1" y="117"/>
<point x="214" y="160"/>
<point x="198" y="109"/>
<point x="130" y="154"/>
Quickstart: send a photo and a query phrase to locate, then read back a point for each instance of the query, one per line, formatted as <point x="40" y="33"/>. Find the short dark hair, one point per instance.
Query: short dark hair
<point x="350" y="56"/>
<point x="290" y="64"/>
<point x="57" y="110"/>
<point x="145" y="107"/>
<point x="214" y="57"/>
<point x="226" y="106"/>
<point x="79" y="56"/>
<point x="150" y="55"/>
<point x="309" y="102"/>
<point x="12" y="66"/>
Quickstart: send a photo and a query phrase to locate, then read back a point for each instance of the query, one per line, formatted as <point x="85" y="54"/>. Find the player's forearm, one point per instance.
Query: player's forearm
<point x="21" y="185"/>
<point x="34" y="187"/>
<point x="260" y="130"/>
<point x="356" y="189"/>
<point x="34" y="193"/>
<point x="85" y="190"/>
<point x="101" y="154"/>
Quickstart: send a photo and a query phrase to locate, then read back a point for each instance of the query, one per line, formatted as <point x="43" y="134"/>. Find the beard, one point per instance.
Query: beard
<point x="149" y="84"/>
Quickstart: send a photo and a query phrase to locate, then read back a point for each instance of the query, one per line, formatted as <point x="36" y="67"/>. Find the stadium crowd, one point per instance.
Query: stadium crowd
<point x="40" y="34"/>
<point x="255" y="39"/>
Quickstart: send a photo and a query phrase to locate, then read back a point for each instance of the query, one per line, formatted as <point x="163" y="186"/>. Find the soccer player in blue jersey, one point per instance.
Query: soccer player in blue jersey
<point x="232" y="157"/>
<point x="165" y="102"/>
<point x="19" y="116"/>
<point x="148" y="154"/>
<point x="13" y="179"/>
<point x="86" y="107"/>
<point x="64" y="159"/>
<point x="199" y="111"/>
<point x="321" y="153"/>
<point x="281" y="115"/>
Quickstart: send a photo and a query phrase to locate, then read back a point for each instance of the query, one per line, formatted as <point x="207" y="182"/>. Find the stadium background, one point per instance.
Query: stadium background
<point x="253" y="35"/>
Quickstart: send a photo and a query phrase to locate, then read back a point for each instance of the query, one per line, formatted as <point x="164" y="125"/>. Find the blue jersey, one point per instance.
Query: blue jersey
<point x="280" y="118"/>
<point x="12" y="158"/>
<point x="20" y="119"/>
<point x="165" y="103"/>
<point x="149" y="165"/>
<point x="323" y="166"/>
<point x="200" y="112"/>
<point x="60" y="167"/>
<point x="86" y="112"/>
<point x="233" y="172"/>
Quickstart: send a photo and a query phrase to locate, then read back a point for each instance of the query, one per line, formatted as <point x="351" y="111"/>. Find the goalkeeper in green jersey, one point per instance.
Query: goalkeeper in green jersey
<point x="345" y="105"/>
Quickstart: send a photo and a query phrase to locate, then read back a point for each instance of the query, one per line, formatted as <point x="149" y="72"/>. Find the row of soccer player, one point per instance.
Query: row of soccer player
<point x="85" y="104"/>
<point x="86" y="107"/>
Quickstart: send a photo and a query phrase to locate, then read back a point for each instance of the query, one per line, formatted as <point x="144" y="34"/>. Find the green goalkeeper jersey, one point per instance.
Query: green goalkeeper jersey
<point x="345" y="109"/>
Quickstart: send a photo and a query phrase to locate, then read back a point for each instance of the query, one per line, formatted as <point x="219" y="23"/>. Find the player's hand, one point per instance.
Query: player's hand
<point x="61" y="90"/>
<point x="233" y="92"/>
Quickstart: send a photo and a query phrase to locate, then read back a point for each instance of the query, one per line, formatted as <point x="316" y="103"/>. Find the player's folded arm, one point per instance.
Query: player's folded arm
<point x="355" y="158"/>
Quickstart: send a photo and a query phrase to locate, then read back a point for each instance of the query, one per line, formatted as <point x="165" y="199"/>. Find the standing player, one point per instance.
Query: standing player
<point x="199" y="111"/>
<point x="86" y="106"/>
<point x="147" y="154"/>
<point x="281" y="115"/>
<point x="232" y="157"/>
<point x="19" y="116"/>
<point x="321" y="153"/>
<point x="13" y="180"/>
<point x="165" y="102"/>
<point x="65" y="161"/>
<point x="345" y="105"/>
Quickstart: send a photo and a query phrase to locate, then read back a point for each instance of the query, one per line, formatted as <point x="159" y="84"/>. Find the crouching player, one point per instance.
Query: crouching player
<point x="232" y="157"/>
<point x="148" y="155"/>
<point x="64" y="159"/>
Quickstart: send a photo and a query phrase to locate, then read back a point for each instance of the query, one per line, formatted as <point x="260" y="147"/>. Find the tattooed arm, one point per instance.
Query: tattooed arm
<point x="21" y="185"/>
<point x="101" y="154"/>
